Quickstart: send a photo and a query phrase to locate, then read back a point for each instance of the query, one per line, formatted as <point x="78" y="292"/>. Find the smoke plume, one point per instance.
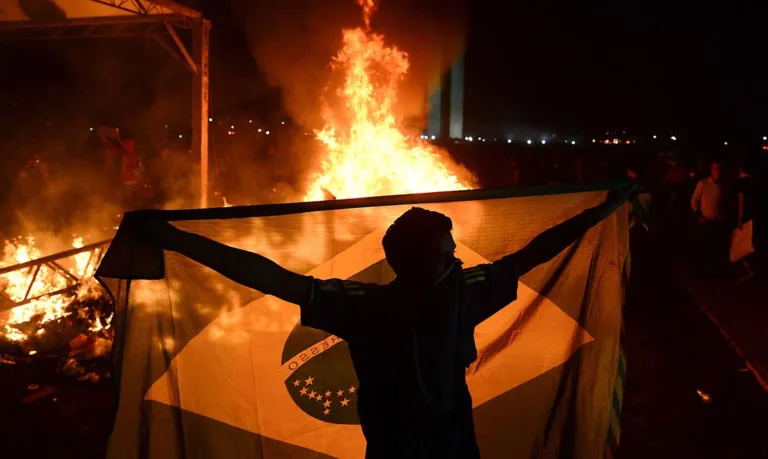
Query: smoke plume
<point x="293" y="43"/>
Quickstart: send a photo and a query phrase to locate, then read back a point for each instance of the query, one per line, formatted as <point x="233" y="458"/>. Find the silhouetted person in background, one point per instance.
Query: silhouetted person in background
<point x="673" y="184"/>
<point x="411" y="340"/>
<point x="745" y="194"/>
<point x="706" y="203"/>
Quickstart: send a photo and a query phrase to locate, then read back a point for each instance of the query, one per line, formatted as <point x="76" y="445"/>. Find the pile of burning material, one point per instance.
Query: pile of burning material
<point x="52" y="307"/>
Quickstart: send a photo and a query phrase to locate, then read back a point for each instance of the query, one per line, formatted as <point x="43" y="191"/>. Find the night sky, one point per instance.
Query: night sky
<point x="572" y="69"/>
<point x="614" y="68"/>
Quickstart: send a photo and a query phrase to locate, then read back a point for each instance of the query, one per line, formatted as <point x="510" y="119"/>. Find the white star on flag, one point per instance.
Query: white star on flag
<point x="211" y="365"/>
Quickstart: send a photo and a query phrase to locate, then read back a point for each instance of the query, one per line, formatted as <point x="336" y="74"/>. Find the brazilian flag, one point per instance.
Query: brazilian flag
<point x="207" y="368"/>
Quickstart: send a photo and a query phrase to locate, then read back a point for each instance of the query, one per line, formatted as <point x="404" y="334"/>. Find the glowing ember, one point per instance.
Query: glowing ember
<point x="367" y="154"/>
<point x="18" y="285"/>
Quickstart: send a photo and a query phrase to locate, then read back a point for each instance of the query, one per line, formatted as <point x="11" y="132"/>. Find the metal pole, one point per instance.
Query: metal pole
<point x="200" y="52"/>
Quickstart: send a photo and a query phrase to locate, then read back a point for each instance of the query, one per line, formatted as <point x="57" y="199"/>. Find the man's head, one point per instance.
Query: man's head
<point x="419" y="246"/>
<point x="714" y="170"/>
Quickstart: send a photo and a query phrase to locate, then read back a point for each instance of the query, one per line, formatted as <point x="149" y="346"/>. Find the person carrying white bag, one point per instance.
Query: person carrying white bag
<point x="742" y="237"/>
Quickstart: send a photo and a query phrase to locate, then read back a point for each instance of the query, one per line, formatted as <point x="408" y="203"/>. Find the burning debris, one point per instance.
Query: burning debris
<point x="367" y="155"/>
<point x="52" y="305"/>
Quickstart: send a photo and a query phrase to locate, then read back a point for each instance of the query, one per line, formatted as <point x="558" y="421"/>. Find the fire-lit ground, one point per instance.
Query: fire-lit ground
<point x="672" y="348"/>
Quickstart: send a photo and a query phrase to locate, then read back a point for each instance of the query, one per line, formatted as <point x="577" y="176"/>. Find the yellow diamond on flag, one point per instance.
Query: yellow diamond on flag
<point x="241" y="381"/>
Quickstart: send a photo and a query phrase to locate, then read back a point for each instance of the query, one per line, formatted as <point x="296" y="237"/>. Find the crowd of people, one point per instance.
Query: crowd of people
<point x="706" y="204"/>
<point x="715" y="203"/>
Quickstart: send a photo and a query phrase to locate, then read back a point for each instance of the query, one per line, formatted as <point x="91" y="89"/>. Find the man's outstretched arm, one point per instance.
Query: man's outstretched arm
<point x="551" y="242"/>
<point x="246" y="268"/>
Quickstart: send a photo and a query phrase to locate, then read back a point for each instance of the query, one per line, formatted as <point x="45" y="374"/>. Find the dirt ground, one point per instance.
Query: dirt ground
<point x="673" y="350"/>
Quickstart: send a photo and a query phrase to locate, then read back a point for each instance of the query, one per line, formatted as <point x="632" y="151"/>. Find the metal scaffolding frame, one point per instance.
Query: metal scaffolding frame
<point x="32" y="269"/>
<point x="153" y="19"/>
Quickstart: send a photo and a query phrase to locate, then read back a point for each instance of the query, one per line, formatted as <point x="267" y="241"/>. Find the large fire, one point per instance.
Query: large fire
<point x="367" y="155"/>
<point x="17" y="285"/>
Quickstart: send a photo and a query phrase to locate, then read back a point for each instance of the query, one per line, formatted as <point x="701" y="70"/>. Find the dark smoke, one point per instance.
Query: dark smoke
<point x="293" y="43"/>
<point x="51" y="96"/>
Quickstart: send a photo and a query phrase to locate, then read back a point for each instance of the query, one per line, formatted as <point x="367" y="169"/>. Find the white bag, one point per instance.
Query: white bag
<point x="741" y="242"/>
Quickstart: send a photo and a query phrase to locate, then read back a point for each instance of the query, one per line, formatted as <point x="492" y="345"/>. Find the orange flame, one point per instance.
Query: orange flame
<point x="17" y="285"/>
<point x="366" y="153"/>
<point x="369" y="7"/>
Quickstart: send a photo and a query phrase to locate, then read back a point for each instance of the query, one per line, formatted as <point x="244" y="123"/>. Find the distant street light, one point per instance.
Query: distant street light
<point x="673" y="138"/>
<point x="543" y="142"/>
<point x="573" y="142"/>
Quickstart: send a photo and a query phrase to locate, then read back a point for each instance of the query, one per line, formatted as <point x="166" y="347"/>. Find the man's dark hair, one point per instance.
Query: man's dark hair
<point x="407" y="236"/>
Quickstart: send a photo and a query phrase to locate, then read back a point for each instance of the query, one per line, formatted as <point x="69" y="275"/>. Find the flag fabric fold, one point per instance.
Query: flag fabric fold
<point x="208" y="368"/>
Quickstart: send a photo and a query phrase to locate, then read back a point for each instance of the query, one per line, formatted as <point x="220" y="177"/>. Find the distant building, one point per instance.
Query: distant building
<point x="446" y="104"/>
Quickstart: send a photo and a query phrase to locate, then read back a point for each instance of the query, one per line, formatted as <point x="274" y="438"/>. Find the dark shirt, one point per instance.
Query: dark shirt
<point x="410" y="347"/>
<point x="746" y="186"/>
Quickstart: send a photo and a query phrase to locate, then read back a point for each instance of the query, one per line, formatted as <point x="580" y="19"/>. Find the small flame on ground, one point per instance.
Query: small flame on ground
<point x="367" y="155"/>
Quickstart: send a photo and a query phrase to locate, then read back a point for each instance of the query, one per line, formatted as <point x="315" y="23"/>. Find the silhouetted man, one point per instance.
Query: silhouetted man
<point x="411" y="340"/>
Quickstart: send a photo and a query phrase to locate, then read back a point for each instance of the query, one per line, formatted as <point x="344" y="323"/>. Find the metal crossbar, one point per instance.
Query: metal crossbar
<point x="96" y="251"/>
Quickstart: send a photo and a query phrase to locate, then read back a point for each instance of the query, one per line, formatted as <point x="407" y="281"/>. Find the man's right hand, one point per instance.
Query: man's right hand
<point x="151" y="230"/>
<point x="157" y="232"/>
